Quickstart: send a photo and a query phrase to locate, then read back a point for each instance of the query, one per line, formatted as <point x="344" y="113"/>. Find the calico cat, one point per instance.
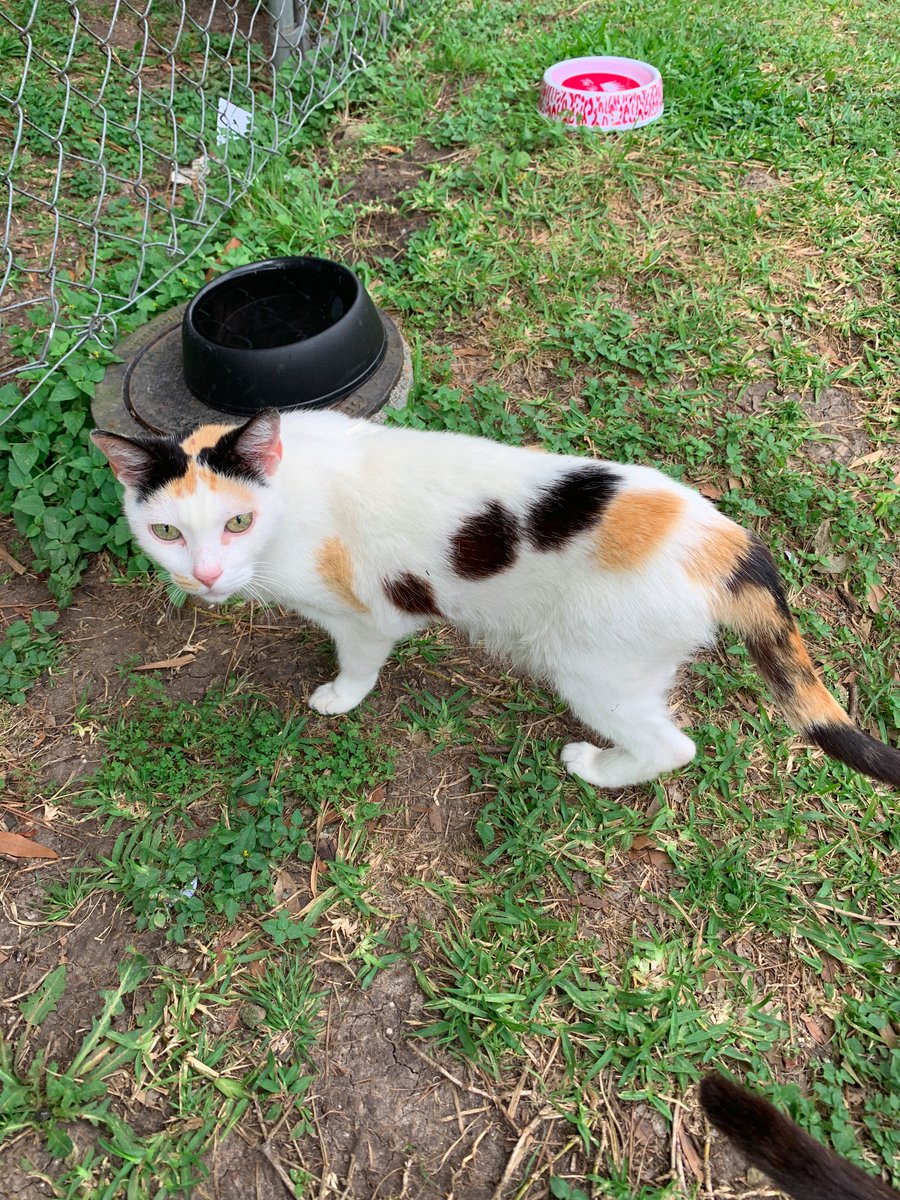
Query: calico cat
<point x="598" y="577"/>
<point x="772" y="1143"/>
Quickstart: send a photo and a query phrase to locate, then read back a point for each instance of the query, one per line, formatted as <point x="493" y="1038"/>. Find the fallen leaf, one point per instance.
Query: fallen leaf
<point x="689" y="1150"/>
<point x="286" y="892"/>
<point x="829" y="561"/>
<point x="3" y="958"/>
<point x="710" y="491"/>
<point x="888" y="1035"/>
<point x="643" y="1131"/>
<point x="229" y="939"/>
<point x="592" y="902"/>
<point x="388" y="148"/>
<point x="181" y="661"/>
<point x="641" y="842"/>
<point x="875" y="456"/>
<point x="830" y="968"/>
<point x="23" y="847"/>
<point x="434" y="818"/>
<point x="874" y="597"/>
<point x="659" y="858"/>
<point x="814" y="1029"/>
<point x="376" y="796"/>
<point x="326" y="849"/>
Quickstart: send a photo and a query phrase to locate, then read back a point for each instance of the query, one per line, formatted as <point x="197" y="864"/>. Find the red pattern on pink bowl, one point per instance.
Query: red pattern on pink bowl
<point x="617" y="108"/>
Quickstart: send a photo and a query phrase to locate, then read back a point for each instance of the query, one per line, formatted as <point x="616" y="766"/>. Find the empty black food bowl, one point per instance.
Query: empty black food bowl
<point x="284" y="333"/>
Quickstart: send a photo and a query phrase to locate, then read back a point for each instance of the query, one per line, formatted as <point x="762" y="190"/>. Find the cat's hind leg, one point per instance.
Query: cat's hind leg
<point x="362" y="651"/>
<point x="646" y="741"/>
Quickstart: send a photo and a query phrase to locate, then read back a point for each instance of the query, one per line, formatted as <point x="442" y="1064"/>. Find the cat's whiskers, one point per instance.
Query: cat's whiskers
<point x="262" y="580"/>
<point x="256" y="597"/>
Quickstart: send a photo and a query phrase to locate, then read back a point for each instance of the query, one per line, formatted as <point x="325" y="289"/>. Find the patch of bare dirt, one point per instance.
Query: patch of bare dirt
<point x="839" y="416"/>
<point x="392" y="1122"/>
<point x="758" y="179"/>
<point x="382" y="186"/>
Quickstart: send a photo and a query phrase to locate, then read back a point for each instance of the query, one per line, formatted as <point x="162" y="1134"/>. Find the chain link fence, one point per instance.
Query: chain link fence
<point x="127" y="131"/>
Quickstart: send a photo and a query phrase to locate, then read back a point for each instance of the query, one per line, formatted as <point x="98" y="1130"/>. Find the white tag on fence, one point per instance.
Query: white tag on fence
<point x="231" y="120"/>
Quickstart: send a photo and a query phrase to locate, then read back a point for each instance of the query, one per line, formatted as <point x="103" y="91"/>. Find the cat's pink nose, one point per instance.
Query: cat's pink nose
<point x="207" y="576"/>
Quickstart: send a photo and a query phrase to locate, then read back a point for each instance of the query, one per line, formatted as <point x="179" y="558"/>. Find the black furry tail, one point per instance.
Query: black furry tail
<point x="773" y="1143"/>
<point x="857" y="750"/>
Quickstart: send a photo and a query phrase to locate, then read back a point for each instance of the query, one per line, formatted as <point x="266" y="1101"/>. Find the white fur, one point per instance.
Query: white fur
<point x="610" y="642"/>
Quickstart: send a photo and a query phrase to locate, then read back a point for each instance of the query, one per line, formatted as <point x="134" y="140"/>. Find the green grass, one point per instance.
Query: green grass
<point x="43" y="1097"/>
<point x="205" y="823"/>
<point x="682" y="296"/>
<point x="28" y="650"/>
<point x="210" y="798"/>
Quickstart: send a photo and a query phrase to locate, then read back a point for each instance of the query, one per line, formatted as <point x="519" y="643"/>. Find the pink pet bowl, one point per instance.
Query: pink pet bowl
<point x="602" y="92"/>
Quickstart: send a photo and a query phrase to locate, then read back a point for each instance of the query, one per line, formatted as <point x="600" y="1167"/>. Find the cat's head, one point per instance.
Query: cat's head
<point x="203" y="508"/>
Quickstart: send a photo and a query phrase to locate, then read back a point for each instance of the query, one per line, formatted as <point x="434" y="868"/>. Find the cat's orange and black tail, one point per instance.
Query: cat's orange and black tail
<point x="774" y="1144"/>
<point x="750" y="600"/>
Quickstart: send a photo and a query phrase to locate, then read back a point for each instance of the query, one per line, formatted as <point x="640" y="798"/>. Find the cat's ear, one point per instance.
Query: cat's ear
<point x="132" y="463"/>
<point x="258" y="443"/>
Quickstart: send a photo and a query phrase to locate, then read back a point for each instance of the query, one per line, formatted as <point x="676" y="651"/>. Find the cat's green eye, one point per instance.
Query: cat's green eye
<point x="166" y="533"/>
<point x="239" y="524"/>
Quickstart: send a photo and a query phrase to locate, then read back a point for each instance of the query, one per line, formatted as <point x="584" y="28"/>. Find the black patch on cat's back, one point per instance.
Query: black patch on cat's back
<point x="757" y="569"/>
<point x="485" y="543"/>
<point x="412" y="594"/>
<point x="166" y="462"/>
<point x="570" y="505"/>
<point x="225" y="458"/>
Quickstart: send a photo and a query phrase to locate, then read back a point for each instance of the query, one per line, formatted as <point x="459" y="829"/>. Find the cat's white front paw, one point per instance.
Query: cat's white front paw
<point x="337" y="697"/>
<point x="605" y="768"/>
<point x="618" y="768"/>
<point x="579" y="758"/>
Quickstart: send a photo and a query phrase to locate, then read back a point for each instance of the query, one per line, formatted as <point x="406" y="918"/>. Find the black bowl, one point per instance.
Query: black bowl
<point x="284" y="333"/>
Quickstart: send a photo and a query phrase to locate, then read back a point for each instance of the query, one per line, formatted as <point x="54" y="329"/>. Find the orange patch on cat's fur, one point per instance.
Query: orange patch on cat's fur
<point x="813" y="704"/>
<point x="186" y="484"/>
<point x="715" y="559"/>
<point x="335" y="567"/>
<point x="752" y="612"/>
<point x="193" y="478"/>
<point x="204" y="437"/>
<point x="634" y="526"/>
<point x="196" y="477"/>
